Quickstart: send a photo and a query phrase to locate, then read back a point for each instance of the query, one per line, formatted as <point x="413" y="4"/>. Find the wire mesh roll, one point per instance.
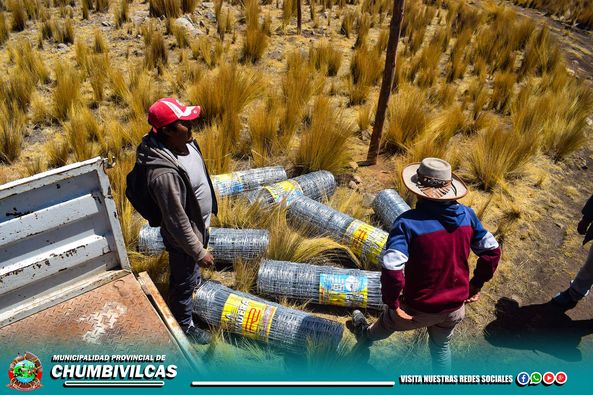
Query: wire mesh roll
<point x="365" y="241"/>
<point x="265" y="321"/>
<point x="225" y="245"/>
<point x="231" y="184"/>
<point x="228" y="245"/>
<point x="389" y="205"/>
<point x="317" y="185"/>
<point x="320" y="284"/>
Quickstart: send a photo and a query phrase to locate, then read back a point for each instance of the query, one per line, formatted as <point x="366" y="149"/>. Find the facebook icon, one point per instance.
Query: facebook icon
<point x="523" y="379"/>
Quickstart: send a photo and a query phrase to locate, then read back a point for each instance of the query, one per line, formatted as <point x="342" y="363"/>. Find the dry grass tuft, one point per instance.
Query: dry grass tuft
<point x="224" y="94"/>
<point x="348" y="24"/>
<point x="407" y="119"/>
<point x="502" y="92"/>
<point x="297" y="89"/>
<point x="203" y="49"/>
<point x="264" y="123"/>
<point x="542" y="54"/>
<point x="82" y="131"/>
<point x="121" y="13"/>
<point x="156" y="54"/>
<point x="256" y="39"/>
<point x="216" y="149"/>
<point x="4" y="33"/>
<point x="325" y="143"/>
<point x="12" y="125"/>
<point x="166" y="8"/>
<point x="363" y="118"/>
<point x="100" y="46"/>
<point x="325" y="58"/>
<point x="66" y="94"/>
<point x="19" y="15"/>
<point x="498" y="155"/>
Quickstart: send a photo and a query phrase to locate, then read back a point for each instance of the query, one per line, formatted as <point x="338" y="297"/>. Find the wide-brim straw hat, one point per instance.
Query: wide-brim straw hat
<point x="433" y="179"/>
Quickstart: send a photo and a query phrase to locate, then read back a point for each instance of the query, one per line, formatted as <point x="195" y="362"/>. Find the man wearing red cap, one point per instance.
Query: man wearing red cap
<point x="179" y="184"/>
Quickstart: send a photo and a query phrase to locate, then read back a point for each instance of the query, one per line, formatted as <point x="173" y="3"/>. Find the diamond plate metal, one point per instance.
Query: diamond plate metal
<point x="114" y="318"/>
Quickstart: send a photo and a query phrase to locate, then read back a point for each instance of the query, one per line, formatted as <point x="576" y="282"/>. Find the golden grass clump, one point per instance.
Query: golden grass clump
<point x="66" y="93"/>
<point x="366" y="69"/>
<point x="30" y="62"/>
<point x="325" y="58"/>
<point x="256" y="39"/>
<point x="155" y="53"/>
<point x="166" y="8"/>
<point x="57" y="151"/>
<point x="363" y="118"/>
<point x="16" y="90"/>
<point x="542" y="54"/>
<point x="407" y="119"/>
<point x="203" y="49"/>
<point x="502" y="91"/>
<point x="297" y="88"/>
<point x="19" y="15"/>
<point x="325" y="144"/>
<point x="347" y="26"/>
<point x="264" y="123"/>
<point x="143" y="92"/>
<point x="83" y="131"/>
<point x="458" y="63"/>
<point x="4" y="33"/>
<point x="188" y="6"/>
<point x="12" y="126"/>
<point x="101" y="5"/>
<point x="224" y="94"/>
<point x="498" y="155"/>
<point x="288" y="9"/>
<point x="216" y="149"/>
<point x="100" y="46"/>
<point x="363" y="25"/>
<point x="424" y="69"/>
<point x="121" y="13"/>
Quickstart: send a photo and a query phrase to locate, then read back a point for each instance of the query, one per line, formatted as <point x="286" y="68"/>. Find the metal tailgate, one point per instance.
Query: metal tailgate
<point x="64" y="269"/>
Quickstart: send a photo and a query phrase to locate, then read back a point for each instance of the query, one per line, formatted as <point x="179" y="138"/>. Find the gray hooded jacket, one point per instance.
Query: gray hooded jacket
<point x="182" y="225"/>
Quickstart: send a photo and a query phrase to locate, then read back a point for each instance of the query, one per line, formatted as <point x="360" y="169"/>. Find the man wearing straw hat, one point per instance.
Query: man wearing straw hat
<point x="431" y="245"/>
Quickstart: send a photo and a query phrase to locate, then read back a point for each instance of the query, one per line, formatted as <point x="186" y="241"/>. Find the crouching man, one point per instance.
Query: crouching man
<point x="425" y="274"/>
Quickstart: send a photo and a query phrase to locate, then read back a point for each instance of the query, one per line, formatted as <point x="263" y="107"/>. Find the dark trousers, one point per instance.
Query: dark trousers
<point x="184" y="276"/>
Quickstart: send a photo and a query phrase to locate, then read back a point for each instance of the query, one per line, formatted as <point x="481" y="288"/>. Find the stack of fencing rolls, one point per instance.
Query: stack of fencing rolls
<point x="231" y="184"/>
<point x="317" y="185"/>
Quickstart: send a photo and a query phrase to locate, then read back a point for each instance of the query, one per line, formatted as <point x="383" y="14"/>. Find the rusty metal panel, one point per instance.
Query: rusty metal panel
<point x="58" y="229"/>
<point x="115" y="317"/>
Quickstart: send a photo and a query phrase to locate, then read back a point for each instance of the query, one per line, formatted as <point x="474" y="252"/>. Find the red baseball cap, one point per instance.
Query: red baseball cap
<point x="168" y="110"/>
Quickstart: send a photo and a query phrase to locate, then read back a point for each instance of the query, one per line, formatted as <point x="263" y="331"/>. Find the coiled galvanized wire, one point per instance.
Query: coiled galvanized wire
<point x="262" y="320"/>
<point x="320" y="284"/>
<point x="318" y="185"/>
<point x="389" y="205"/>
<point x="365" y="241"/>
<point x="225" y="245"/>
<point x="231" y="184"/>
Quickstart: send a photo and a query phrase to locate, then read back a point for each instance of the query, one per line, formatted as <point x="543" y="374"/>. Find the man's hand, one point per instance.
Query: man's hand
<point x="582" y="227"/>
<point x="207" y="261"/>
<point x="474" y="294"/>
<point x="403" y="315"/>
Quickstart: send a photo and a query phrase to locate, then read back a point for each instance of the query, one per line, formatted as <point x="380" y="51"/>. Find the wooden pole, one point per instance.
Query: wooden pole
<point x="299" y="16"/>
<point x="394" y="32"/>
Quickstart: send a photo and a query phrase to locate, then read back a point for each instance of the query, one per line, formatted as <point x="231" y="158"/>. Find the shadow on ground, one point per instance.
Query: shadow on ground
<point x="539" y="327"/>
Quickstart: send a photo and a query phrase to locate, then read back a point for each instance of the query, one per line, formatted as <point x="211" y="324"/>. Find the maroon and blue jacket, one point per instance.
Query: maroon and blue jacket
<point x="426" y="257"/>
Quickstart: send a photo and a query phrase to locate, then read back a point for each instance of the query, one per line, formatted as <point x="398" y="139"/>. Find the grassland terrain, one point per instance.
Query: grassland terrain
<point x="502" y="92"/>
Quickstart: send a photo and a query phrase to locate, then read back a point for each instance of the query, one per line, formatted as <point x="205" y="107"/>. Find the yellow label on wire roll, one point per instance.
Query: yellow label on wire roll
<point x="366" y="241"/>
<point x="247" y="317"/>
<point x="285" y="189"/>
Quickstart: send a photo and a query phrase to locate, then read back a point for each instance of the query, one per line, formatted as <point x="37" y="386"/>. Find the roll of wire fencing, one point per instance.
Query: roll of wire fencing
<point x="258" y="319"/>
<point x="389" y="205"/>
<point x="365" y="240"/>
<point x="232" y="184"/>
<point x="318" y="185"/>
<point x="225" y="245"/>
<point x="320" y="284"/>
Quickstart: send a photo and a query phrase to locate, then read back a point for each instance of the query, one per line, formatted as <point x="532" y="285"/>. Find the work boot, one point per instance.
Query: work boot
<point x="197" y="335"/>
<point x="360" y="325"/>
<point x="565" y="300"/>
